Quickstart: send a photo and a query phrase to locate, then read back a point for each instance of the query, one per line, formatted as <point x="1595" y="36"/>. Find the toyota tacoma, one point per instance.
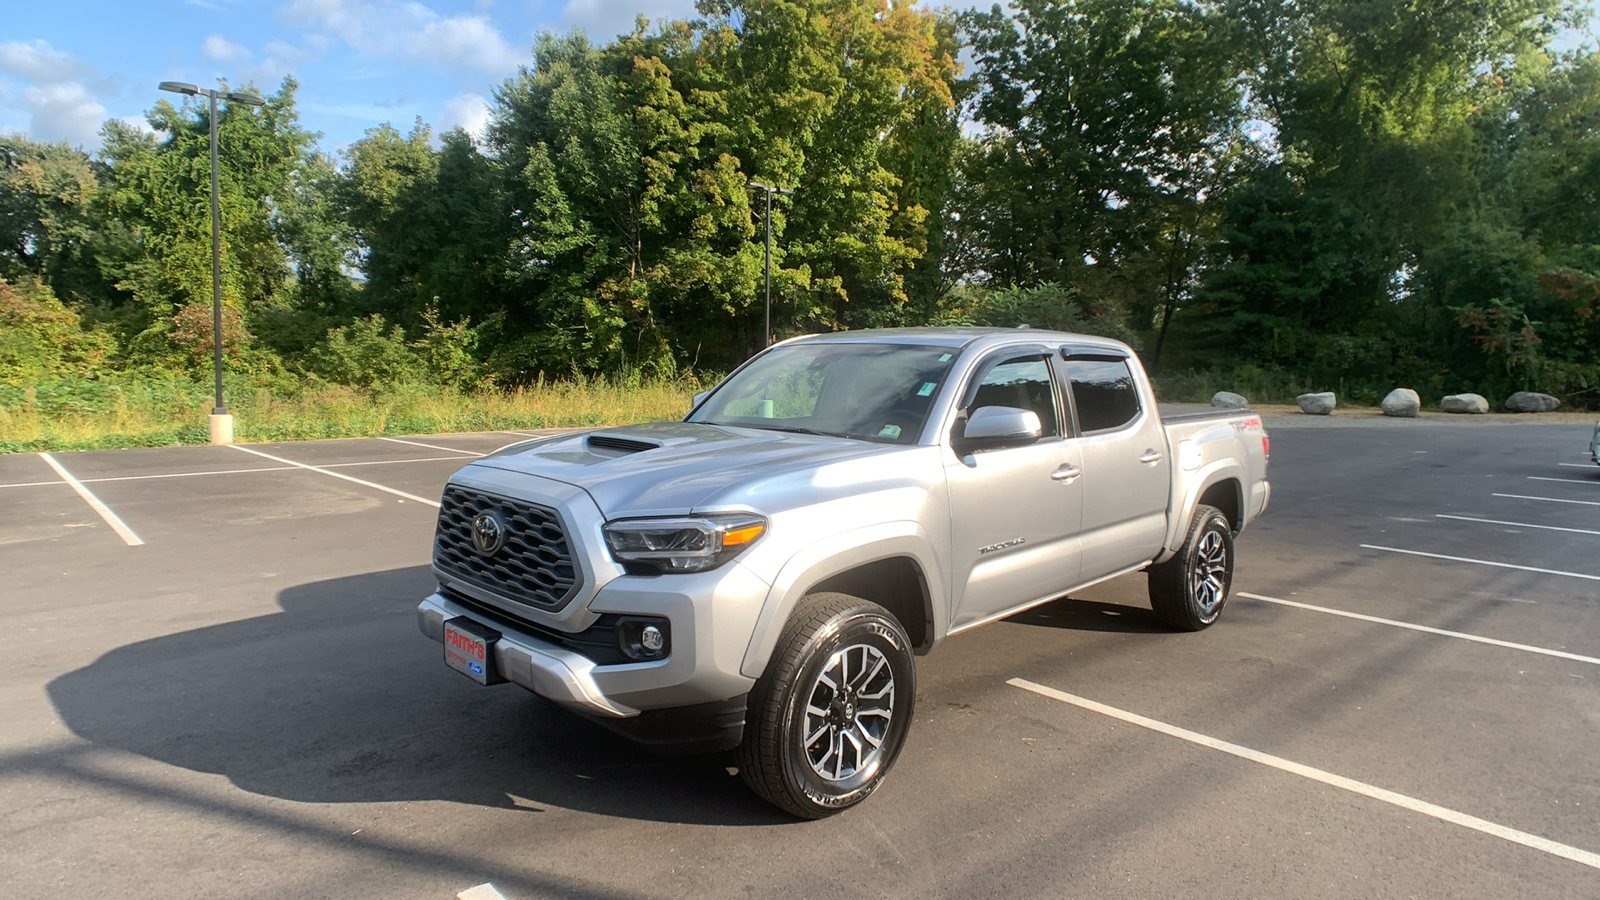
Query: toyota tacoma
<point x="761" y="575"/>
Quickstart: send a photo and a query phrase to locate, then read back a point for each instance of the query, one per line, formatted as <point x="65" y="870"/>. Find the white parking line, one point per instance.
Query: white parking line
<point x="1515" y="524"/>
<point x="1561" y="654"/>
<point x="117" y="525"/>
<point x="1549" y="499"/>
<point x="1589" y="466"/>
<point x="1592" y="482"/>
<point x="339" y="475"/>
<point x="370" y="462"/>
<point x="1392" y="798"/>
<point x="1482" y="562"/>
<point x="431" y="446"/>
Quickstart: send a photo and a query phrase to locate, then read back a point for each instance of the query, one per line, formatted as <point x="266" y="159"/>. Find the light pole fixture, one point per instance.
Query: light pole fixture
<point x="221" y="423"/>
<point x="767" y="266"/>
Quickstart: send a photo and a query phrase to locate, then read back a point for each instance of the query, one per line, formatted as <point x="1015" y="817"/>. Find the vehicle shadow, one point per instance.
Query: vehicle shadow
<point x="1091" y="615"/>
<point x="339" y="699"/>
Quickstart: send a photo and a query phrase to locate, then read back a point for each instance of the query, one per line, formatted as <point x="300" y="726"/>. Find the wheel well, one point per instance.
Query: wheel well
<point x="1224" y="495"/>
<point x="897" y="585"/>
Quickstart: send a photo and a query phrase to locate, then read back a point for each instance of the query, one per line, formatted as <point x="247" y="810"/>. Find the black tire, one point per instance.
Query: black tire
<point x="774" y="757"/>
<point x="1189" y="590"/>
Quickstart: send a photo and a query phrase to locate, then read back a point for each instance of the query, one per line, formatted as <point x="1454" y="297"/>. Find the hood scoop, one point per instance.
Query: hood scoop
<point x="615" y="443"/>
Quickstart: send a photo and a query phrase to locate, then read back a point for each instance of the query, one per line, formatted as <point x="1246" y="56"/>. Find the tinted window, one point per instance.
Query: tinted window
<point x="1103" y="392"/>
<point x="1022" y="383"/>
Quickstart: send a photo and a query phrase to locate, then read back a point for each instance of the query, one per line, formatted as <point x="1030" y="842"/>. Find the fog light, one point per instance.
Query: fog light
<point x="644" y="638"/>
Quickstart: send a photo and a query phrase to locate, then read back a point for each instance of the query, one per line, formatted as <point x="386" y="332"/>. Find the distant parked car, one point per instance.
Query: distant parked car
<point x="1594" y="444"/>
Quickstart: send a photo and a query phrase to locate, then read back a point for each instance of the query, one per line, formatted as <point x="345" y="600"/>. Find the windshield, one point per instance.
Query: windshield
<point x="875" y="392"/>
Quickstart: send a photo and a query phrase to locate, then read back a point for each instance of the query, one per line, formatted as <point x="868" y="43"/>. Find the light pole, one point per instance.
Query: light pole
<point x="767" y="266"/>
<point x="220" y="422"/>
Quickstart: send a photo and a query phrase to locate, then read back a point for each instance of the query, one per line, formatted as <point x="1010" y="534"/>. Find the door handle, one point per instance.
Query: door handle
<point x="1067" y="473"/>
<point x="1150" y="457"/>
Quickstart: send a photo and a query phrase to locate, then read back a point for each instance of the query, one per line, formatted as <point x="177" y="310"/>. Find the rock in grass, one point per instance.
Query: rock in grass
<point x="1317" y="404"/>
<point x="1473" y="404"/>
<point x="1229" y="400"/>
<point x="1402" y="403"/>
<point x="1531" y="401"/>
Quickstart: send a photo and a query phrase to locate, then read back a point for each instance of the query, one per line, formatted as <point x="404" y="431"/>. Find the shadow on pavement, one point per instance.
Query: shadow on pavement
<point x="1091" y="615"/>
<point x="339" y="699"/>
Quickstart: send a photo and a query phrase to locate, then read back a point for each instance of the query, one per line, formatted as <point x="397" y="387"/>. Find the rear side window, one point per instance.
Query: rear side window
<point x="1104" y="393"/>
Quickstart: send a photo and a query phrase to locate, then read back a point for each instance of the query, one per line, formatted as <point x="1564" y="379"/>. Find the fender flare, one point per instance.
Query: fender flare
<point x="836" y="554"/>
<point x="1204" y="478"/>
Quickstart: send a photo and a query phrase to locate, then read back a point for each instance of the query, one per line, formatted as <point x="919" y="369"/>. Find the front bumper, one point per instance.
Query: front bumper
<point x="552" y="672"/>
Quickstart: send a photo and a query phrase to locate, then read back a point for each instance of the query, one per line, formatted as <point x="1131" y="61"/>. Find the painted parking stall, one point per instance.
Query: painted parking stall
<point x="1361" y="721"/>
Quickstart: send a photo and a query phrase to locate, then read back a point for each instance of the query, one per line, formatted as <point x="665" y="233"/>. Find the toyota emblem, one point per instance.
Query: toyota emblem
<point x="488" y="534"/>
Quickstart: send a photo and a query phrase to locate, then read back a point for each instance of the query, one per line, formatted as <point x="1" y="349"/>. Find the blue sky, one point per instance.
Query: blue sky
<point x="67" y="67"/>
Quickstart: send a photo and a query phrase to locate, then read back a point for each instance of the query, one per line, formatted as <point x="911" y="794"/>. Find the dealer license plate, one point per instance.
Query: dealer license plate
<point x="469" y="649"/>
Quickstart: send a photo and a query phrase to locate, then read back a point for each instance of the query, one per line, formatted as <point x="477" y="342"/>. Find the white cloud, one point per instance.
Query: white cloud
<point x="470" y="111"/>
<point x="408" y="30"/>
<point x="465" y="40"/>
<point x="38" y="61"/>
<point x="63" y="111"/>
<point x="605" y="19"/>
<point x="219" y="49"/>
<point x="56" y="94"/>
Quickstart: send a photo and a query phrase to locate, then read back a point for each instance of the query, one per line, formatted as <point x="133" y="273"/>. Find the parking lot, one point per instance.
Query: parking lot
<point x="215" y="687"/>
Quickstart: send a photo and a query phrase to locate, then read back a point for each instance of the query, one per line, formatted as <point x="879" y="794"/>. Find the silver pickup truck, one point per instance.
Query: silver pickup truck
<point x="760" y="575"/>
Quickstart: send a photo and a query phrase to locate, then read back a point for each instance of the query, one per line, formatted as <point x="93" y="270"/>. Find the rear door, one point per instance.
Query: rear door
<point x="1127" y="477"/>
<point x="1014" y="511"/>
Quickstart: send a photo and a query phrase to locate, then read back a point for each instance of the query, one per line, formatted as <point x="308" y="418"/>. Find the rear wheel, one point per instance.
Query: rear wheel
<point x="829" y="716"/>
<point x="1189" y="590"/>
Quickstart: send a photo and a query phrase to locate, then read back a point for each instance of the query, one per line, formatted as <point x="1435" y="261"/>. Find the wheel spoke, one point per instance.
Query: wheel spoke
<point x="865" y="680"/>
<point x="811" y="741"/>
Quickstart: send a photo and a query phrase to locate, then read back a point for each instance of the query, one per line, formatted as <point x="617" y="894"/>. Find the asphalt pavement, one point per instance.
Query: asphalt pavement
<point x="216" y="688"/>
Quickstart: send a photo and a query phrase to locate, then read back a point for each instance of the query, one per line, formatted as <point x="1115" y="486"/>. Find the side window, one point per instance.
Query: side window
<point x="1023" y="383"/>
<point x="1104" y="393"/>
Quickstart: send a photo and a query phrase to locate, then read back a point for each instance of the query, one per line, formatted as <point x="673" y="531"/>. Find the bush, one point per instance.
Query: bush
<point x="41" y="338"/>
<point x="368" y="353"/>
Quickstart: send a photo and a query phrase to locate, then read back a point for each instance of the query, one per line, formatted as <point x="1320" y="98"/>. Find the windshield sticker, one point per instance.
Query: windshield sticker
<point x="944" y="357"/>
<point x="926" y="389"/>
<point x="889" y="431"/>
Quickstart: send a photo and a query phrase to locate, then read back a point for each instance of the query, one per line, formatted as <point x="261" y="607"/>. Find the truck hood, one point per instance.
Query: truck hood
<point x="670" y="468"/>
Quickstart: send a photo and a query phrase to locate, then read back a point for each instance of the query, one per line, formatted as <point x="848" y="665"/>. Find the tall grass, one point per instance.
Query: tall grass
<point x="175" y="413"/>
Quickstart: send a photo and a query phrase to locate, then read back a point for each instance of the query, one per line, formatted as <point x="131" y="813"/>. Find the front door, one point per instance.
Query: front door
<point x="1014" y="511"/>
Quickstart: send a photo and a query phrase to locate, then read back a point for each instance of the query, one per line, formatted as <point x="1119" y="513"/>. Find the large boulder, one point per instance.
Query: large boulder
<point x="1317" y="404"/>
<point x="1229" y="400"/>
<point x="1402" y="403"/>
<point x="1531" y="401"/>
<point x="1473" y="404"/>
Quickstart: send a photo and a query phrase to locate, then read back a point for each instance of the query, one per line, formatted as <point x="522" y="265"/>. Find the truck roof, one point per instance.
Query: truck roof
<point x="956" y="337"/>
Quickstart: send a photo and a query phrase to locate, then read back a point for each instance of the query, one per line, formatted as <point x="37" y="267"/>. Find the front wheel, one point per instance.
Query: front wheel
<point x="830" y="714"/>
<point x="1188" y="591"/>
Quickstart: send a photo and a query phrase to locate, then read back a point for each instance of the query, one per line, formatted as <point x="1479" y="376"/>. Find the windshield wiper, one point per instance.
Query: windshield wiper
<point x="791" y="429"/>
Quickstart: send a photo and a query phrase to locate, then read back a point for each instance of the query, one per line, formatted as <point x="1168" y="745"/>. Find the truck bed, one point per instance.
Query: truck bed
<point x="1195" y="412"/>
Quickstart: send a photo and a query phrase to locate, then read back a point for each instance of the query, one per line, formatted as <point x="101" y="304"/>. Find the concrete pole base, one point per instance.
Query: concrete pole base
<point x="221" y="427"/>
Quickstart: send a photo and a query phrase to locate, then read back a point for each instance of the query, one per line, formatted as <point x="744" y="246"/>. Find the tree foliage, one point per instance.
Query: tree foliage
<point x="1343" y="193"/>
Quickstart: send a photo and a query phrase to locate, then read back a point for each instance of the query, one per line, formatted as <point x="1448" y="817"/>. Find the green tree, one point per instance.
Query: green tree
<point x="155" y="212"/>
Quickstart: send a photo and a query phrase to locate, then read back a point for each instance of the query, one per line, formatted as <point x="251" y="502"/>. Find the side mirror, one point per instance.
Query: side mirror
<point x="694" y="403"/>
<point x="991" y="427"/>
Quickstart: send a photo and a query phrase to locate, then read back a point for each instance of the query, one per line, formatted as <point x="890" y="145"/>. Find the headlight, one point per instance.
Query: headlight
<point x="686" y="544"/>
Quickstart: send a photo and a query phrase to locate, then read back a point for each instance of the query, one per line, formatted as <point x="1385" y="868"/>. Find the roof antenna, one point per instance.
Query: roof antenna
<point x="1024" y="325"/>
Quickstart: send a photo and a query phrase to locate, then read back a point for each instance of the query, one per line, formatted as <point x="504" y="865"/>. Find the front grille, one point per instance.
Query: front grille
<point x="533" y="566"/>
